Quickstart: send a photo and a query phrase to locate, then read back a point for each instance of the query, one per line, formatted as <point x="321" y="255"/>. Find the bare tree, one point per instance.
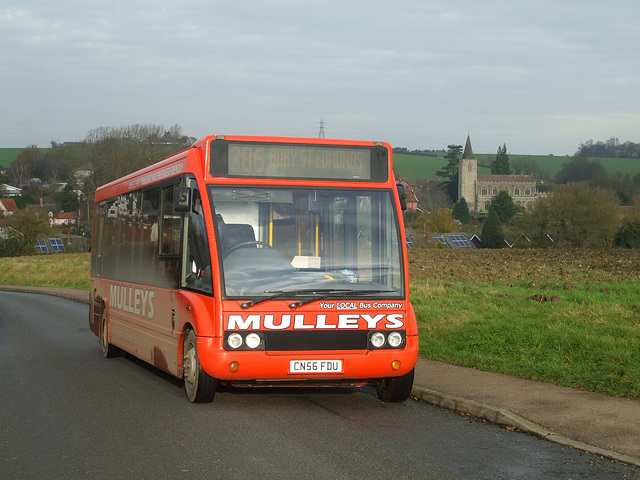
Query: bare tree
<point x="22" y="168"/>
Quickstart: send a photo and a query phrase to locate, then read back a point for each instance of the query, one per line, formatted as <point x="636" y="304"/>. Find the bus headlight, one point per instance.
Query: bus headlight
<point x="235" y="340"/>
<point x="377" y="339"/>
<point x="395" y="339"/>
<point x="253" y="340"/>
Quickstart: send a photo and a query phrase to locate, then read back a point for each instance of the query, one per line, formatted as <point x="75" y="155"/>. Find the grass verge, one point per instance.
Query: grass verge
<point x="574" y="334"/>
<point x="60" y="270"/>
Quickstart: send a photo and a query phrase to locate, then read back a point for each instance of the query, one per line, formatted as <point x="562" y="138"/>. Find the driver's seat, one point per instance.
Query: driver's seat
<point x="232" y="234"/>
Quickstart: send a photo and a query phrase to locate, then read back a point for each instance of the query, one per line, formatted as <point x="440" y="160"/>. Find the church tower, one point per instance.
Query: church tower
<point x="468" y="177"/>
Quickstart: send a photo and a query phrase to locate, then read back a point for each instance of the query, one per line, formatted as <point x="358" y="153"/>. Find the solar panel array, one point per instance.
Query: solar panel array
<point x="459" y="241"/>
<point x="42" y="247"/>
<point x="55" y="245"/>
<point x="453" y="240"/>
<point x="441" y="240"/>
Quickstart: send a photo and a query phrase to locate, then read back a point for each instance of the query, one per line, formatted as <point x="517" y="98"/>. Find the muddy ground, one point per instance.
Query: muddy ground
<point x="517" y="265"/>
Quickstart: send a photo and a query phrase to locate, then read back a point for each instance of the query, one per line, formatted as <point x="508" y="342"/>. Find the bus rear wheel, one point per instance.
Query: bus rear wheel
<point x="395" y="389"/>
<point x="108" y="350"/>
<point x="199" y="386"/>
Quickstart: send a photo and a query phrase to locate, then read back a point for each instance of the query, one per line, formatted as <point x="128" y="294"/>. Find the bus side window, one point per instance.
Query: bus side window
<point x="171" y="232"/>
<point x="149" y="240"/>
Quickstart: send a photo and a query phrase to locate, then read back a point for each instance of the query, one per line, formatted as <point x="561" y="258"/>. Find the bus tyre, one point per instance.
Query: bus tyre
<point x="395" y="389"/>
<point x="108" y="350"/>
<point x="199" y="386"/>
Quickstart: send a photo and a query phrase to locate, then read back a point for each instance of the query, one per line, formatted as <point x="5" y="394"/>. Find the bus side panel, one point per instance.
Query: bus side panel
<point x="197" y="312"/>
<point x="141" y="322"/>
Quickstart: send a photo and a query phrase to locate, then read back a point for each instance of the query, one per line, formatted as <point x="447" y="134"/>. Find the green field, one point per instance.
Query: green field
<point x="8" y="155"/>
<point x="421" y="167"/>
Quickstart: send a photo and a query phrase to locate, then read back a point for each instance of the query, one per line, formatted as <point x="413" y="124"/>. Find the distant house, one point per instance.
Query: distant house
<point x="62" y="219"/>
<point x="82" y="173"/>
<point x="9" y="190"/>
<point x="410" y="191"/>
<point x="7" y="207"/>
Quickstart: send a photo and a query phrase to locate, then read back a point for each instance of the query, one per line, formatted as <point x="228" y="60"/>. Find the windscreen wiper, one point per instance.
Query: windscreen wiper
<point x="310" y="294"/>
<point x="290" y="293"/>
<point x="322" y="294"/>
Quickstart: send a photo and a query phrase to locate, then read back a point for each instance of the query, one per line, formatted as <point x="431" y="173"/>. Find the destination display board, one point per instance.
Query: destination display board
<point x="301" y="161"/>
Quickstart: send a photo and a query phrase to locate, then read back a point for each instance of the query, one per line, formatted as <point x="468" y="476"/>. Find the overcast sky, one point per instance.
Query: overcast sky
<point x="541" y="76"/>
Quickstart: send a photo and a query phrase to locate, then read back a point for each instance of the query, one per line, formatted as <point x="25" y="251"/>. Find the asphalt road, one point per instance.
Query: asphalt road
<point x="66" y="412"/>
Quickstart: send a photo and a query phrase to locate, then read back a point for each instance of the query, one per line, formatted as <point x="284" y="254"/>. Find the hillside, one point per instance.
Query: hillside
<point x="421" y="167"/>
<point x="425" y="167"/>
<point x="8" y="155"/>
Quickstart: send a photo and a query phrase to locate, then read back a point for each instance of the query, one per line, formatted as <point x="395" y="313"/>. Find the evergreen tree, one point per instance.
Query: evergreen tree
<point x="461" y="211"/>
<point x="500" y="165"/>
<point x="504" y="206"/>
<point x="492" y="236"/>
<point x="69" y="201"/>
<point x="629" y="235"/>
<point x="450" y="172"/>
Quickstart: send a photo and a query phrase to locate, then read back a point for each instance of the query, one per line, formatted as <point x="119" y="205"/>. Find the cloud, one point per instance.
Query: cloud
<point x="415" y="73"/>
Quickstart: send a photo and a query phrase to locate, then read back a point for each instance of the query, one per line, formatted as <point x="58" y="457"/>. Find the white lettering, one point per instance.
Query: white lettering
<point x="394" y="321"/>
<point x="151" y="296"/>
<point x="308" y="322"/>
<point x="321" y="322"/>
<point x="136" y="303"/>
<point x="131" y="300"/>
<point x="372" y="322"/>
<point x="252" y="322"/>
<point x="348" y="320"/>
<point x="346" y="305"/>
<point x="285" y="322"/>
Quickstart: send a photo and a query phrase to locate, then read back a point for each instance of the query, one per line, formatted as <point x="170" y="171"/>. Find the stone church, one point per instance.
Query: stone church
<point x="478" y="190"/>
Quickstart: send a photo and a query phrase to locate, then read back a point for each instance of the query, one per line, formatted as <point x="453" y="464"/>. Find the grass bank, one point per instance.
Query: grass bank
<point x="581" y="335"/>
<point x="60" y="270"/>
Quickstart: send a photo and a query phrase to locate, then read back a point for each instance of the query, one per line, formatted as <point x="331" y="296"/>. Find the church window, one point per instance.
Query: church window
<point x="484" y="191"/>
<point x="516" y="192"/>
<point x="527" y="192"/>
<point x="495" y="191"/>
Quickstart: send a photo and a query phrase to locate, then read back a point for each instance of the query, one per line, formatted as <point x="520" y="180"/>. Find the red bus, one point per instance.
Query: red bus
<point x="258" y="261"/>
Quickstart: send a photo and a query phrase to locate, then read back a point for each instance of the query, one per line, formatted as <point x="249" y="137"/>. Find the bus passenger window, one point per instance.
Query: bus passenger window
<point x="170" y="234"/>
<point x="149" y="247"/>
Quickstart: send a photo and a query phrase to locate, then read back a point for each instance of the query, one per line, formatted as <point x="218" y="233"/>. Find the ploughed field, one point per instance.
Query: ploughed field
<point x="514" y="266"/>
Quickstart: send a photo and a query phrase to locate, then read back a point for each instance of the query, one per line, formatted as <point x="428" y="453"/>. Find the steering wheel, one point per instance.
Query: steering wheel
<point x="248" y="244"/>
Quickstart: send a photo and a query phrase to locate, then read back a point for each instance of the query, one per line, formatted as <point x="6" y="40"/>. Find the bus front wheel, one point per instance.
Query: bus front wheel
<point x="395" y="389"/>
<point x="199" y="386"/>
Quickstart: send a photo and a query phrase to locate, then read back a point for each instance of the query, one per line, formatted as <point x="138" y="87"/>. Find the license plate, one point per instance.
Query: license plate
<point x="315" y="366"/>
